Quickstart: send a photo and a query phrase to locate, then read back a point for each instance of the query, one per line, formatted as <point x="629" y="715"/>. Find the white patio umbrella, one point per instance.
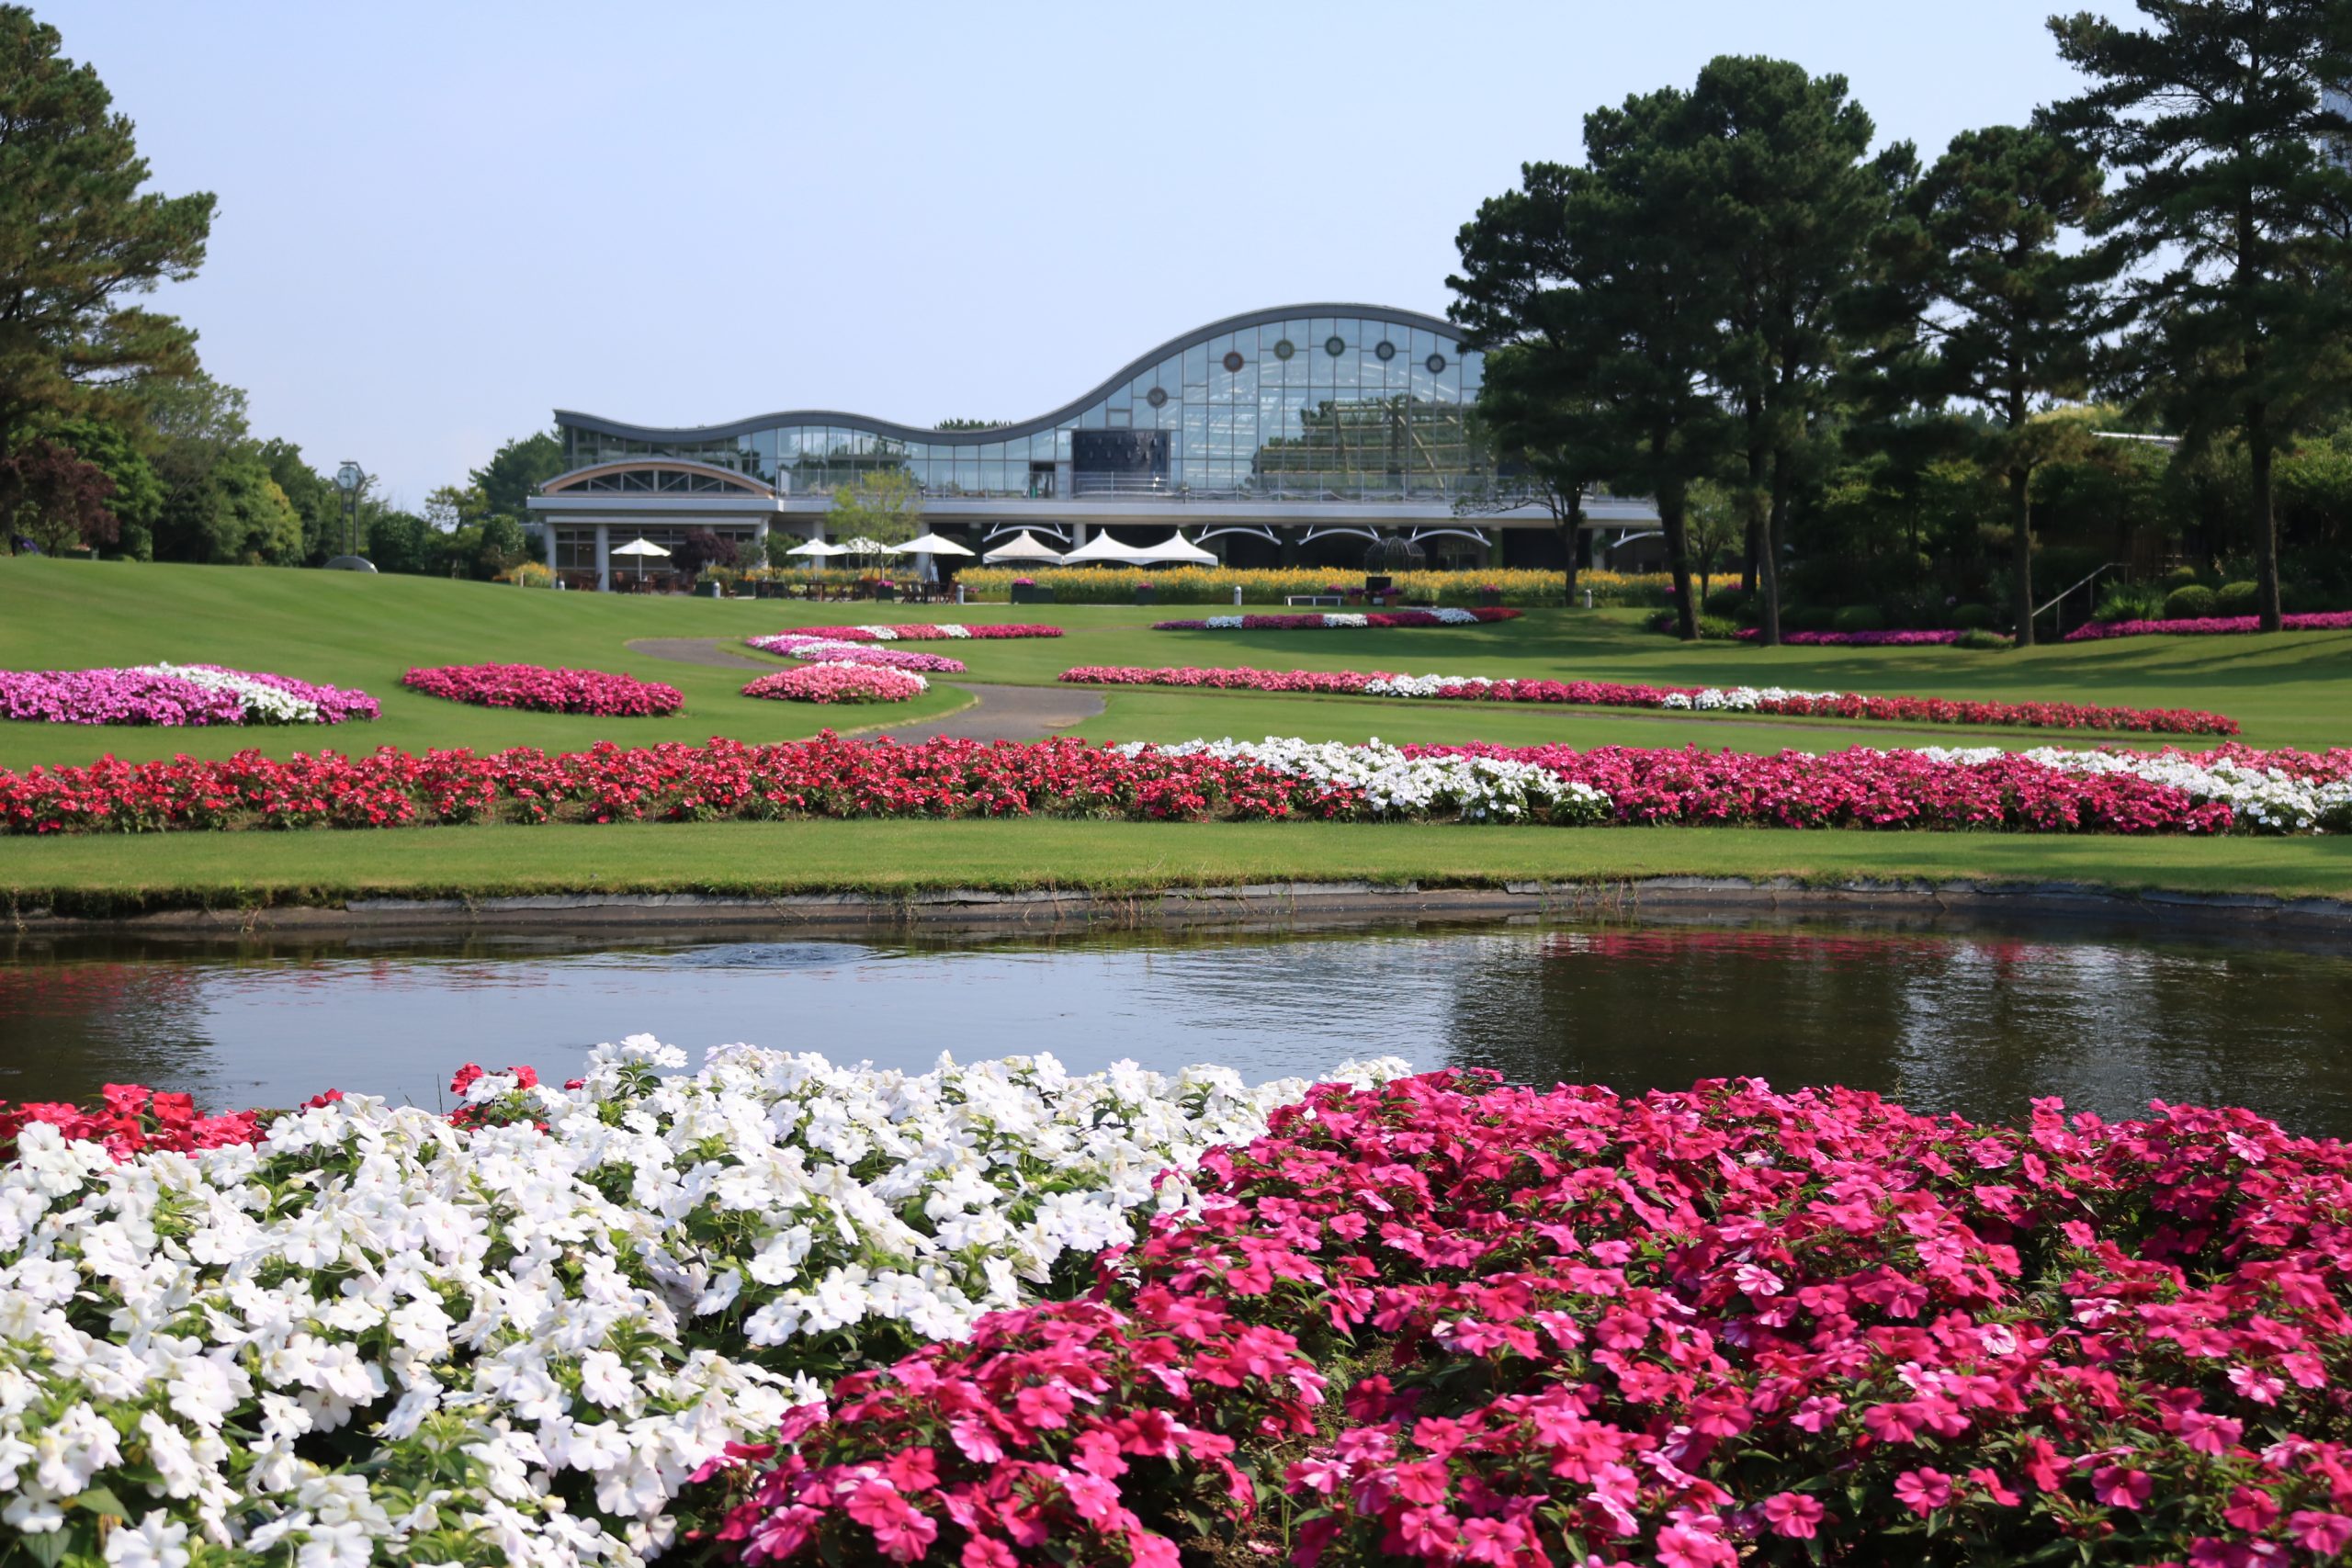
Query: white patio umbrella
<point x="861" y="546"/>
<point x="1178" y="548"/>
<point x="640" y="548"/>
<point x="817" y="547"/>
<point x="1025" y="548"/>
<point x="1102" y="549"/>
<point x="929" y="545"/>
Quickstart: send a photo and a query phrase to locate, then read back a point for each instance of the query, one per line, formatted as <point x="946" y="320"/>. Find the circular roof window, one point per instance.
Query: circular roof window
<point x="1385" y="350"/>
<point x="1157" y="397"/>
<point x="1335" y="345"/>
<point x="1234" y="362"/>
<point x="1436" y="362"/>
<point x="1285" y="348"/>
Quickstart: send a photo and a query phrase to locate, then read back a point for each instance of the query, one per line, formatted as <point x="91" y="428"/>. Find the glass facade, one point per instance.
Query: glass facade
<point x="1352" y="405"/>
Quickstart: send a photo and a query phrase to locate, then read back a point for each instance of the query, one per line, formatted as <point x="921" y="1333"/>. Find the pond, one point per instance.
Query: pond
<point x="1970" y="1016"/>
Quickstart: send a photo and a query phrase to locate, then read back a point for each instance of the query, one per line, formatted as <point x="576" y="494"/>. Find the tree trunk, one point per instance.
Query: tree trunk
<point x="2021" y="551"/>
<point x="1753" y="569"/>
<point x="1676" y="522"/>
<point x="2266" y="521"/>
<point x="1572" y="527"/>
<point x="1767" y="572"/>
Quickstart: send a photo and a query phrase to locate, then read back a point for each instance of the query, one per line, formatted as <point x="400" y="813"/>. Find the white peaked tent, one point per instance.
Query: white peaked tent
<point x="1178" y="548"/>
<point x="1102" y="551"/>
<point x="1025" y="548"/>
<point x="929" y="545"/>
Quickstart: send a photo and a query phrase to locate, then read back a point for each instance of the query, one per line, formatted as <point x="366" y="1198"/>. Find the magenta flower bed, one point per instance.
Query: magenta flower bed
<point x="175" y="696"/>
<point x="1858" y="639"/>
<point x="821" y="651"/>
<point x="1344" y="621"/>
<point x="2209" y="626"/>
<point x="1445" y="1321"/>
<point x="1610" y="694"/>
<point x="838" y="684"/>
<point x="922" y="631"/>
<point x="541" y="690"/>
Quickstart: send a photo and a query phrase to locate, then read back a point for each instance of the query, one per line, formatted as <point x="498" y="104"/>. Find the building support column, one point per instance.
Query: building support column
<point x="603" y="557"/>
<point x="760" y="538"/>
<point x="550" y="531"/>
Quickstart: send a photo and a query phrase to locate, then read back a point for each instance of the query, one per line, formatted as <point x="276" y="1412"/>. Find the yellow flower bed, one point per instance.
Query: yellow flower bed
<point x="1214" y="585"/>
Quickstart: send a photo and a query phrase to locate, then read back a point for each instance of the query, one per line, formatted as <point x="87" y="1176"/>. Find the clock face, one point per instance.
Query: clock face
<point x="347" y="477"/>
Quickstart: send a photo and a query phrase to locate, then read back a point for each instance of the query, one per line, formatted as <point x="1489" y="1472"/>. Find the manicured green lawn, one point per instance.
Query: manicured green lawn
<point x="362" y="631"/>
<point x="779" y="857"/>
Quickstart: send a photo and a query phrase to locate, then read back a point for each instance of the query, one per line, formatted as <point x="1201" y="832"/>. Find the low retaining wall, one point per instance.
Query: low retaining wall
<point x="1279" y="903"/>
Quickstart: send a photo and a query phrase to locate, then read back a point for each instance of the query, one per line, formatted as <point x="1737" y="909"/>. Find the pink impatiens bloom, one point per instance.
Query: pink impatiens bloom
<point x="1924" y="1490"/>
<point x="1792" y="1514"/>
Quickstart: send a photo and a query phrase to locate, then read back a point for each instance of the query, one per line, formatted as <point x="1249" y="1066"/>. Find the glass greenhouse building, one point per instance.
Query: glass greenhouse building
<point x="1281" y="436"/>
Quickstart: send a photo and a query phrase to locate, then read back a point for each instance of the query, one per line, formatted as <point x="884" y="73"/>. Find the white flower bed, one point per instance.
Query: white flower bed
<point x="1475" y="789"/>
<point x="942" y="628"/>
<point x="1740" y="699"/>
<point x="263" y="703"/>
<point x="377" y="1336"/>
<point x="2265" y="798"/>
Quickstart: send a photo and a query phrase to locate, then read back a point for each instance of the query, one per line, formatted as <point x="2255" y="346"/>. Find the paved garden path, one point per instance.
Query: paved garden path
<point x="701" y="650"/>
<point x="998" y="713"/>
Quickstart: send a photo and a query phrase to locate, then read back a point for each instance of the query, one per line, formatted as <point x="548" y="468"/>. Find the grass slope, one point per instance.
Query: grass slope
<point x="754" y="858"/>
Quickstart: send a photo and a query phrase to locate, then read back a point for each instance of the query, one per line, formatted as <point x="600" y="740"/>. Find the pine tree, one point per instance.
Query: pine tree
<point x="2237" y="202"/>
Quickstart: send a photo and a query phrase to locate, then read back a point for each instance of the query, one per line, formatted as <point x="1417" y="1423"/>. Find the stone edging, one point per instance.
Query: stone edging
<point x="1343" y="902"/>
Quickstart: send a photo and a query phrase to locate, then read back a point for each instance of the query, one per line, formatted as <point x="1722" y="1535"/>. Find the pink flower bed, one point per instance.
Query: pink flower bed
<point x="922" y="631"/>
<point x="800" y="645"/>
<point x="839" y="683"/>
<point x="1611" y="694"/>
<point x="1448" y="1322"/>
<point x="1340" y="621"/>
<point x="2209" y="626"/>
<point x="1858" y="639"/>
<point x="175" y="696"/>
<point x="541" y="690"/>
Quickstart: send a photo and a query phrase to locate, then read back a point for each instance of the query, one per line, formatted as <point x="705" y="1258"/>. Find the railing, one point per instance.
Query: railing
<point x="2061" y="595"/>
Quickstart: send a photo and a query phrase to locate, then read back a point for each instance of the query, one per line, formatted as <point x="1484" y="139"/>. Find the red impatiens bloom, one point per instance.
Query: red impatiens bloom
<point x="542" y="690"/>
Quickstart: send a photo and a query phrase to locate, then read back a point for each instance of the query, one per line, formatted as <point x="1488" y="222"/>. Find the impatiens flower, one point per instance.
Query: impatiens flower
<point x="2119" y="1486"/>
<point x="1792" y="1514"/>
<point x="2320" y="1534"/>
<point x="1924" y="1490"/>
<point x="534" y="688"/>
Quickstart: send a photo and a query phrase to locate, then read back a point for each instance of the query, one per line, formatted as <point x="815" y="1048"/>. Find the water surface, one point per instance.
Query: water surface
<point x="1972" y="1016"/>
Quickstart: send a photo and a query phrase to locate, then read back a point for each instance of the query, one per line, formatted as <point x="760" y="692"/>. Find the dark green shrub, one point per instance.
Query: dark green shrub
<point x="1724" y="603"/>
<point x="2130" y="601"/>
<point x="2237" y="598"/>
<point x="1715" y="628"/>
<point x="1858" y="618"/>
<point x="1974" y="617"/>
<point x="2180" y="577"/>
<point x="1984" y="641"/>
<point x="2189" y="603"/>
<point x="1805" y="617"/>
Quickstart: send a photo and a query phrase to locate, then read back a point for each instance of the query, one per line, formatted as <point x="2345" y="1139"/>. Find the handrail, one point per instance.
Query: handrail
<point x="2110" y="566"/>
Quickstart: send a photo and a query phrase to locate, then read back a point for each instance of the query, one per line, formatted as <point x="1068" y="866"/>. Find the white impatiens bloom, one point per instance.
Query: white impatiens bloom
<point x="1453" y="617"/>
<point x="1223" y="623"/>
<point x="377" y="1336"/>
<point x="1342" y="621"/>
<point x="263" y="703"/>
<point x="1474" y="789"/>
<point x="2265" y="800"/>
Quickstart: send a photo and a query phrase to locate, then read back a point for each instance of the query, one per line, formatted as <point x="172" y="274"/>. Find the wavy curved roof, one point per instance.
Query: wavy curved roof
<point x="1043" y="422"/>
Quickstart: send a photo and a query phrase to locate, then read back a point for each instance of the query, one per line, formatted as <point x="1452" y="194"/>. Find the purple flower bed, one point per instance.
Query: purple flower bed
<point x="2210" y="626"/>
<point x="1857" y="639"/>
<point x="175" y="696"/>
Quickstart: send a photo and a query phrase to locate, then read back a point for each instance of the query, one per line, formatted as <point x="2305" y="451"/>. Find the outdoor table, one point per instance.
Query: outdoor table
<point x="1332" y="599"/>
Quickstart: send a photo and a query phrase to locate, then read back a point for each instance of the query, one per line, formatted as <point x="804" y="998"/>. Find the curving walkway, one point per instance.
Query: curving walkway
<point x="996" y="713"/>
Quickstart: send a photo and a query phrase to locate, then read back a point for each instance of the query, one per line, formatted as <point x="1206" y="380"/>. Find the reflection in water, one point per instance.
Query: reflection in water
<point x="1971" y="1017"/>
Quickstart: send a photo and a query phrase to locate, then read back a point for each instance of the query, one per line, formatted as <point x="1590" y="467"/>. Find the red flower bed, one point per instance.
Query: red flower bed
<point x="2210" y="626"/>
<point x="827" y="776"/>
<point x="925" y="631"/>
<point x="540" y="690"/>
<point x="1448" y="1322"/>
<point x="130" y="1118"/>
<point x="1616" y="694"/>
<point x="832" y="778"/>
<point x="1340" y="620"/>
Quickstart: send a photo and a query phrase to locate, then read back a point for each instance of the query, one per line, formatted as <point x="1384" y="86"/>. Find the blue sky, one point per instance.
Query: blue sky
<point x="438" y="223"/>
